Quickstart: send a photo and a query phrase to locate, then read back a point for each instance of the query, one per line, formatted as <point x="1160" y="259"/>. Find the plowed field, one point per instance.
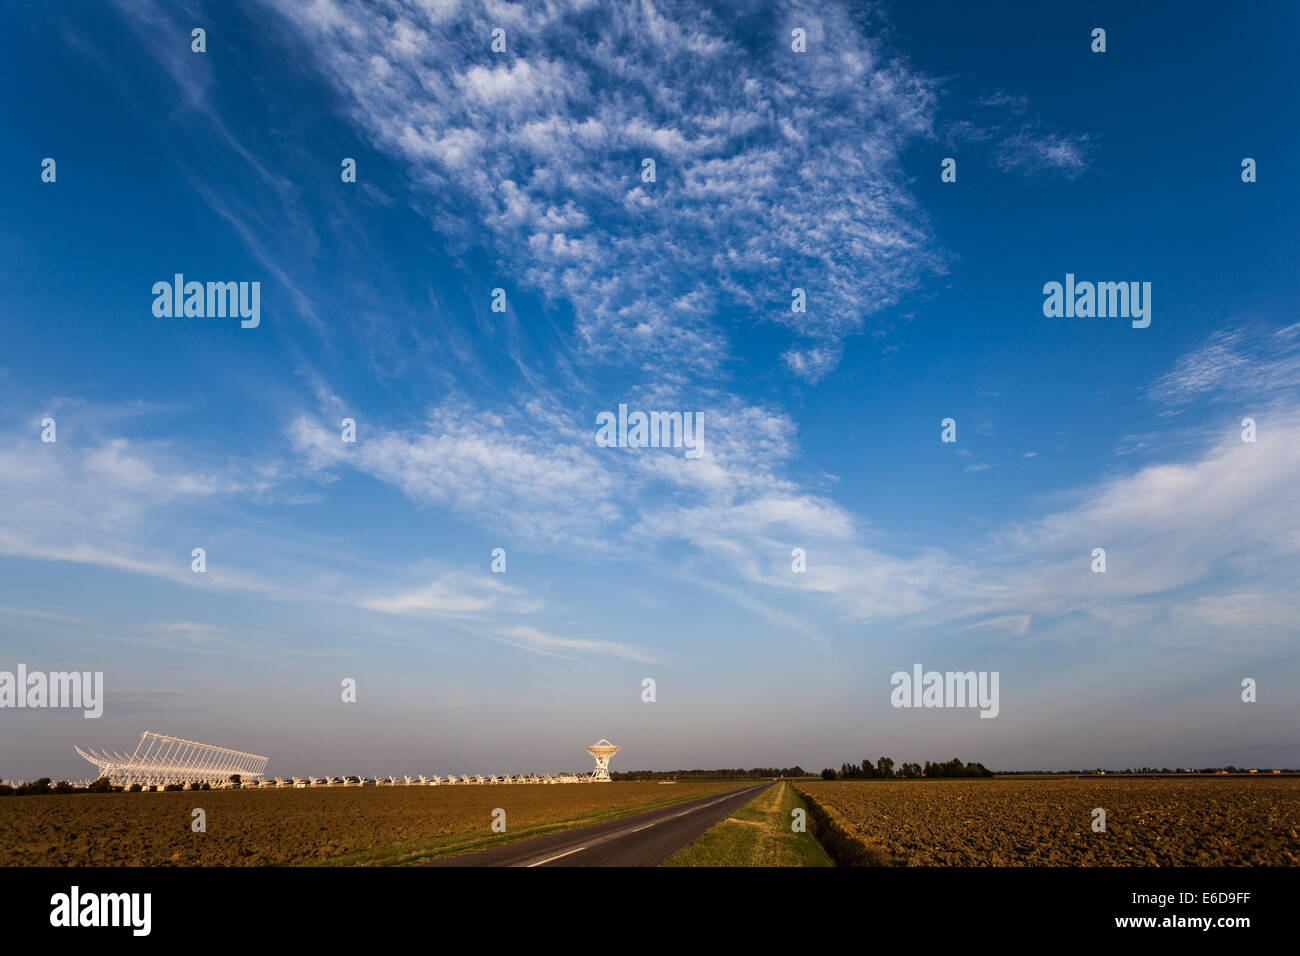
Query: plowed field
<point x="1230" y="821"/>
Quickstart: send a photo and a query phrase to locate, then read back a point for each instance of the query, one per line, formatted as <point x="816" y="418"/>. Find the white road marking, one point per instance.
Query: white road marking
<point x="556" y="857"/>
<point x="703" y="806"/>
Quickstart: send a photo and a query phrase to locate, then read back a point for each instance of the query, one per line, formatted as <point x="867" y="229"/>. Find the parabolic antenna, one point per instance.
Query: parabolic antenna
<point x="602" y="750"/>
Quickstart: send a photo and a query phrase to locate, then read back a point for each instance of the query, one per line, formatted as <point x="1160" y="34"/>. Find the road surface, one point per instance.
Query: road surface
<point x="645" y="839"/>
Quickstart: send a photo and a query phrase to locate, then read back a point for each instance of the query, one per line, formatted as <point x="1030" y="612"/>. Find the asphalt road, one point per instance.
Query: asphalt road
<point x="645" y="839"/>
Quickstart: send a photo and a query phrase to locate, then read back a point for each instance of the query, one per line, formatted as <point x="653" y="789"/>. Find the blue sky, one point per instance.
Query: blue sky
<point x="521" y="170"/>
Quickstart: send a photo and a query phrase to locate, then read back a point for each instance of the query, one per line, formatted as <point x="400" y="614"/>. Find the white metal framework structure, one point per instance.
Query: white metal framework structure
<point x="602" y="750"/>
<point x="159" y="760"/>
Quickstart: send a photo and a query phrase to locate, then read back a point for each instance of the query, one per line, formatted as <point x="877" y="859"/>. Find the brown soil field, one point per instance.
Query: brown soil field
<point x="1048" y="822"/>
<point x="346" y="825"/>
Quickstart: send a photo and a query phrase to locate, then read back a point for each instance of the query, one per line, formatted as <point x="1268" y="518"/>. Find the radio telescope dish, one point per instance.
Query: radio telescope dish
<point x="602" y="750"/>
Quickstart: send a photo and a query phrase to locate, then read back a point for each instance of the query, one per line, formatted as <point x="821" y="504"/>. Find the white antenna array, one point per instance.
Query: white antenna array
<point x="159" y="760"/>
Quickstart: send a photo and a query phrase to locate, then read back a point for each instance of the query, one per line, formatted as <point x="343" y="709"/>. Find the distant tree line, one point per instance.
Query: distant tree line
<point x="883" y="769"/>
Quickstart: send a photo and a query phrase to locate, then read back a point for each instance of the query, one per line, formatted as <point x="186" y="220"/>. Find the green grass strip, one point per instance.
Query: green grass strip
<point x="761" y="833"/>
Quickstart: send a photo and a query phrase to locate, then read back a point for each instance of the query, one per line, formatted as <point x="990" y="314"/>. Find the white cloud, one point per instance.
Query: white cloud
<point x="1236" y="364"/>
<point x="1191" y="524"/>
<point x="544" y="482"/>
<point x="1019" y="139"/>
<point x="118" y="504"/>
<point x="775" y="170"/>
<point x="533" y="639"/>
<point x="456" y="594"/>
<point x="1033" y="151"/>
<point x="1230" y="612"/>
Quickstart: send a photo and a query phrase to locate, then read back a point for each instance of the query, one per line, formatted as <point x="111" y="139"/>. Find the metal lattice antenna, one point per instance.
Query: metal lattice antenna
<point x="159" y="760"/>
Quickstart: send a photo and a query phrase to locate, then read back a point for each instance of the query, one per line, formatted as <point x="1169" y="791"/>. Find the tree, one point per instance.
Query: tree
<point x="885" y="767"/>
<point x="828" y="774"/>
<point x="101" y="785"/>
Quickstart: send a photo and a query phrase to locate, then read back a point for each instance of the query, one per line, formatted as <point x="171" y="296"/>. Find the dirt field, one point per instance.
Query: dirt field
<point x="356" y="825"/>
<point x="1048" y="822"/>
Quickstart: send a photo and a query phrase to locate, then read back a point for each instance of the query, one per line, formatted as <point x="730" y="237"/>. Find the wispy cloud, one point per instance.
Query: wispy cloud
<point x="1034" y="151"/>
<point x="1191" y="521"/>
<point x="1018" y="139"/>
<point x="1183" y="535"/>
<point x="542" y="642"/>
<point x="456" y="594"/>
<point x="1238" y="364"/>
<point x="162" y="31"/>
<point x="774" y="170"/>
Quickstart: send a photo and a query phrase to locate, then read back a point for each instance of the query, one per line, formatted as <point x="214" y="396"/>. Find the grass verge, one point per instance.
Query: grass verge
<point x="758" y="834"/>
